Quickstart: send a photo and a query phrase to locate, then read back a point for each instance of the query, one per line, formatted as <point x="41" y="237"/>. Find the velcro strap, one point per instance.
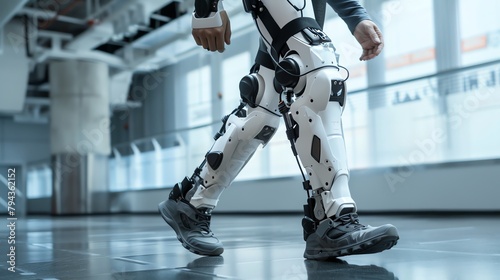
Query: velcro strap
<point x="269" y="22"/>
<point x="290" y="29"/>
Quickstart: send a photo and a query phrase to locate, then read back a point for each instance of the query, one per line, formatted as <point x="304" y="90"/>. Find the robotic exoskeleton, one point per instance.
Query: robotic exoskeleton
<point x="298" y="78"/>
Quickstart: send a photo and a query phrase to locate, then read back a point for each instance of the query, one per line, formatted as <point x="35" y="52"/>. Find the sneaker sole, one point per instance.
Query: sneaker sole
<point x="165" y="214"/>
<point x="374" y="245"/>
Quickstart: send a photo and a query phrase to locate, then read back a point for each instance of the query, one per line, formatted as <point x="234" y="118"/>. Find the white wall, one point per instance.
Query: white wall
<point x="13" y="68"/>
<point x="471" y="186"/>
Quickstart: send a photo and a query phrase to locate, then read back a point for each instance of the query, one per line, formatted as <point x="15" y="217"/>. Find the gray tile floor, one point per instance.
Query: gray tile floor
<point x="256" y="247"/>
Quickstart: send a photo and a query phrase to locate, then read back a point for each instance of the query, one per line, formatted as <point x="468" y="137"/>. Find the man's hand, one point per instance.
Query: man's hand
<point x="370" y="38"/>
<point x="213" y="39"/>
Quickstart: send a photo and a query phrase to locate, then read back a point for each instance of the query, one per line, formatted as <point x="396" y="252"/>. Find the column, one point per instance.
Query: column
<point x="377" y="98"/>
<point x="80" y="136"/>
<point x="448" y="57"/>
<point x="448" y="46"/>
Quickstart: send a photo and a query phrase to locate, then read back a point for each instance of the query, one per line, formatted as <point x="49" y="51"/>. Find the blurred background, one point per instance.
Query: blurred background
<point x="106" y="104"/>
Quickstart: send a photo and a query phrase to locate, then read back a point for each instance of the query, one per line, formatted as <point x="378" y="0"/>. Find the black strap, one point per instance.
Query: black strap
<point x="281" y="35"/>
<point x="269" y="22"/>
<point x="263" y="58"/>
<point x="290" y="29"/>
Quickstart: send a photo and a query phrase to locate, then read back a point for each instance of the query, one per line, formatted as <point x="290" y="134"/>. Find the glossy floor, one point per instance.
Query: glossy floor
<point x="256" y="247"/>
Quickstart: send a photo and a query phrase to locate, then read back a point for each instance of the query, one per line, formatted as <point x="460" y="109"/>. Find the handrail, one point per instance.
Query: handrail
<point x="140" y="140"/>
<point x="374" y="87"/>
<point x="441" y="73"/>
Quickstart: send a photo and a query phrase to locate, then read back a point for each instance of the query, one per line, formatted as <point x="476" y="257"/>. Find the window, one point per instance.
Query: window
<point x="349" y="52"/>
<point x="408" y="28"/>
<point x="199" y="96"/>
<point x="480" y="31"/>
<point x="39" y="181"/>
<point x="398" y="125"/>
<point x="233" y="69"/>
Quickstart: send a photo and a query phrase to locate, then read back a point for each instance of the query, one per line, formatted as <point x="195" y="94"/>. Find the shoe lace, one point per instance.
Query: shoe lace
<point x="203" y="222"/>
<point x="348" y="220"/>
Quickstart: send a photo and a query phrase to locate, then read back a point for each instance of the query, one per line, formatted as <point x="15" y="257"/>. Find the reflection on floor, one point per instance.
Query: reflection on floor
<point x="256" y="247"/>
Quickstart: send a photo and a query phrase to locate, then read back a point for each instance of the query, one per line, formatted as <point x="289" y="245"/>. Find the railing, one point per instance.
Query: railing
<point x="444" y="117"/>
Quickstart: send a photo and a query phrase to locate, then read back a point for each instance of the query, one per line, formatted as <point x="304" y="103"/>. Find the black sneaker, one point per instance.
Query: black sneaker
<point x="346" y="236"/>
<point x="343" y="270"/>
<point x="191" y="225"/>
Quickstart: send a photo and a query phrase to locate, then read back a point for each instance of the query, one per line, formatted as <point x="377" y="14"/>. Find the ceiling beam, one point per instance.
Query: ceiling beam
<point x="45" y="14"/>
<point x="9" y="9"/>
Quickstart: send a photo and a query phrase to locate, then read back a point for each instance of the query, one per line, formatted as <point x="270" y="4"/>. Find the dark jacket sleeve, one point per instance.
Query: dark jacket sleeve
<point x="350" y="11"/>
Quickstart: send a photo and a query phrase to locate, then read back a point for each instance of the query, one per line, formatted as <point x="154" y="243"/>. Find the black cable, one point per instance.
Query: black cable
<point x="301" y="10"/>
<point x="26" y="37"/>
<point x="297" y="8"/>
<point x="284" y="70"/>
<point x="266" y="109"/>
<point x="347" y="71"/>
<point x="221" y="132"/>
<point x="289" y="131"/>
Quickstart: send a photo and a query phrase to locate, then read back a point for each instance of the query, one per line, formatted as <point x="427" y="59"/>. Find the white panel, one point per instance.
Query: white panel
<point x="119" y="87"/>
<point x="13" y="69"/>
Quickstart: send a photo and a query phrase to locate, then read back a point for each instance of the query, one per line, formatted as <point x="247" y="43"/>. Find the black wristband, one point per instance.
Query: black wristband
<point x="203" y="8"/>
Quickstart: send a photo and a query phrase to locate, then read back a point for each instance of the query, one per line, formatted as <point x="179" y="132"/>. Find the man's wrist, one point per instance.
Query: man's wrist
<point x="212" y="20"/>
<point x="206" y="8"/>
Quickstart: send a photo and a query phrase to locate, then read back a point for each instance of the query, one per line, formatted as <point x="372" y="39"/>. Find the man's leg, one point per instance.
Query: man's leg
<point x="312" y="103"/>
<point x="188" y="209"/>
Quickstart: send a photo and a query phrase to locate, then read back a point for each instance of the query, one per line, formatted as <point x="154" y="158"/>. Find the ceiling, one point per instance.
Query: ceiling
<point x="128" y="35"/>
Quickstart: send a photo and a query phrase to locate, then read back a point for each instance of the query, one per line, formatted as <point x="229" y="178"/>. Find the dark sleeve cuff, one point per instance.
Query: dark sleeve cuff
<point x="350" y="11"/>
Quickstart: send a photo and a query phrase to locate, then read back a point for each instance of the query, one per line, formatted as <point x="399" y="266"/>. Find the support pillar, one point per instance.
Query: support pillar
<point x="448" y="56"/>
<point x="377" y="98"/>
<point x="448" y="47"/>
<point x="80" y="136"/>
